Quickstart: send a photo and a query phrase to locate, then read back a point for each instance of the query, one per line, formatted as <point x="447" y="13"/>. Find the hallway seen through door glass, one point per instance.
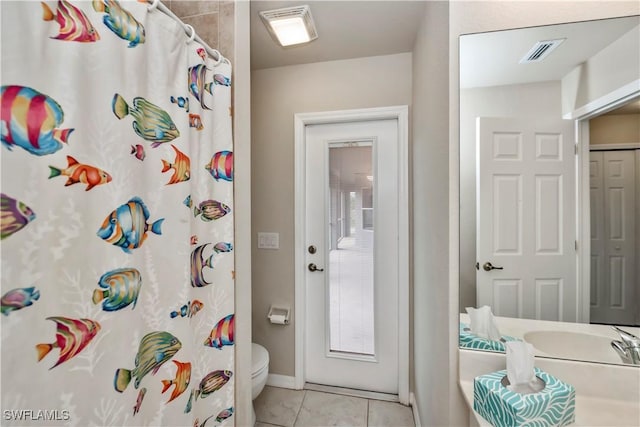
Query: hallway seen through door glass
<point x="351" y="296"/>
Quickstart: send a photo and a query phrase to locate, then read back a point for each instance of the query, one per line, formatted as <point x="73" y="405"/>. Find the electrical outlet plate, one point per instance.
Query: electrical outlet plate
<point x="268" y="240"/>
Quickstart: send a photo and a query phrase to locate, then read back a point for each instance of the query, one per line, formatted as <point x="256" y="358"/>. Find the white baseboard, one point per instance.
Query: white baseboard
<point x="283" y="381"/>
<point x="414" y="409"/>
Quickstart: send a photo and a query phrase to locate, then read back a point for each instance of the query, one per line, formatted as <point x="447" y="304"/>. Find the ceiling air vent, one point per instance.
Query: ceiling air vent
<point x="286" y="24"/>
<point x="540" y="50"/>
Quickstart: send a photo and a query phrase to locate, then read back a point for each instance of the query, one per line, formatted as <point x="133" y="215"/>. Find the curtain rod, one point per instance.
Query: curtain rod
<point x="188" y="29"/>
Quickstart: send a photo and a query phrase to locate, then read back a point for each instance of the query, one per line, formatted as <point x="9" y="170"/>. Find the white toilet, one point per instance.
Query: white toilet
<point x="259" y="373"/>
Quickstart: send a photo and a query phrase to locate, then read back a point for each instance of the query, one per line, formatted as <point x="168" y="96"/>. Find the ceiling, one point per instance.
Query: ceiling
<point x="346" y="29"/>
<point x="490" y="59"/>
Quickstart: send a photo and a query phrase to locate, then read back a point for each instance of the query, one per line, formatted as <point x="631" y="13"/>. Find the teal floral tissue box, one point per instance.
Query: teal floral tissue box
<point x="553" y="406"/>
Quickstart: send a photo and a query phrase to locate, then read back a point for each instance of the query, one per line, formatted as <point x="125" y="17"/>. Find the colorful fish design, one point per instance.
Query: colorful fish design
<point x="181" y="381"/>
<point x="221" y="166"/>
<point x="211" y="210"/>
<point x="120" y="21"/>
<point x="181" y="167"/>
<point x="126" y="227"/>
<point x="120" y="287"/>
<point x="197" y="85"/>
<point x="224" y="414"/>
<point x="138" y="152"/>
<point x="197" y="264"/>
<point x="74" y="24"/>
<point x="195" y="121"/>
<point x="150" y="122"/>
<point x="14" y="216"/>
<point x="212" y="382"/>
<point x="139" y="399"/>
<point x="30" y="120"/>
<point x="72" y="336"/>
<point x="18" y="298"/>
<point x="223" y="247"/>
<point x="193" y="240"/>
<point x="201" y="53"/>
<point x="222" y="333"/>
<point x="154" y="350"/>
<point x="181" y="102"/>
<point x="188" y="202"/>
<point x="78" y="172"/>
<point x="219" y="79"/>
<point x="190" y="309"/>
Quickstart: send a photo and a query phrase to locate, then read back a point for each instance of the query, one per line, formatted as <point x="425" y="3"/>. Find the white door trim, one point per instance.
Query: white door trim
<point x="582" y="116"/>
<point x="301" y="120"/>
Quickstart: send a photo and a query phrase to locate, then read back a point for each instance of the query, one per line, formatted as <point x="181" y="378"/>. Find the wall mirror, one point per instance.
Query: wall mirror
<point x="550" y="186"/>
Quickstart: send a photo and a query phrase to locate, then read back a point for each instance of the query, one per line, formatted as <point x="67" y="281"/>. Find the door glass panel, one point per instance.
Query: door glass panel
<point x="351" y="295"/>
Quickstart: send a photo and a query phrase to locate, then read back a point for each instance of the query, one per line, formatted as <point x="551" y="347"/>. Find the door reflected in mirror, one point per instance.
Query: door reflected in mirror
<point x="550" y="183"/>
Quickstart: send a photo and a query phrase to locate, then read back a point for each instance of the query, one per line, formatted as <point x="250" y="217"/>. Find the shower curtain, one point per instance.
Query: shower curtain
<point x="117" y="277"/>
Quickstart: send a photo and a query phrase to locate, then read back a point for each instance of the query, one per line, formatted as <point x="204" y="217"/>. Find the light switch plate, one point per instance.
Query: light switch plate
<point x="268" y="240"/>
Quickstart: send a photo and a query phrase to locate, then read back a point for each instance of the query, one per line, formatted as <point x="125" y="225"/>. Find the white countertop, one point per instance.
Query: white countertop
<point x="606" y="395"/>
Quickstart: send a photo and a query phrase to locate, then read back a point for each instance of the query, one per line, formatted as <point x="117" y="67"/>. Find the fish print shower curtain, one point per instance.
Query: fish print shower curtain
<point x="116" y="219"/>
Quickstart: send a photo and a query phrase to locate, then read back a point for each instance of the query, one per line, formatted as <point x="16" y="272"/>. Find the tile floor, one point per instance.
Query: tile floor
<point x="297" y="408"/>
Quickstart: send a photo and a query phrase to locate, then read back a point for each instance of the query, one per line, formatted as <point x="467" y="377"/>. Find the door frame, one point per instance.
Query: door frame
<point x="581" y="116"/>
<point x="301" y="120"/>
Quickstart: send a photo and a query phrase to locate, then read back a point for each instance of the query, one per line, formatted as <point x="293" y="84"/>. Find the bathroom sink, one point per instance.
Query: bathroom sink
<point x="573" y="345"/>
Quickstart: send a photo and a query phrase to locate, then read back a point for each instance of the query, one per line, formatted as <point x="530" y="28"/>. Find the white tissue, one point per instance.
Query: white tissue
<point x="482" y="323"/>
<point x="278" y="319"/>
<point x="520" y="362"/>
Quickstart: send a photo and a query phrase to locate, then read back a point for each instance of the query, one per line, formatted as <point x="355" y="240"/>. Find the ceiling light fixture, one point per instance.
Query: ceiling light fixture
<point x="291" y="25"/>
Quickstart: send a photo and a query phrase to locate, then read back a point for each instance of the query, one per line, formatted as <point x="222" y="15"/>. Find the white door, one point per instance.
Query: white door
<point x="352" y="222"/>
<point x="613" y="181"/>
<point x="526" y="218"/>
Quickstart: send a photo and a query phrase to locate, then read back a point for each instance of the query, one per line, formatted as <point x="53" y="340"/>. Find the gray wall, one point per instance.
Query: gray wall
<point x="276" y="95"/>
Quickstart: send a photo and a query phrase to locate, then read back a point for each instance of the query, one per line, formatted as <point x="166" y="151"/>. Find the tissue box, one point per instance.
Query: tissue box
<point x="474" y="342"/>
<point x="553" y="406"/>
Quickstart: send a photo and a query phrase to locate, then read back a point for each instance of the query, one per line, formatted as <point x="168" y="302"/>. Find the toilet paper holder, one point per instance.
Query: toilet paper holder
<point x="279" y="315"/>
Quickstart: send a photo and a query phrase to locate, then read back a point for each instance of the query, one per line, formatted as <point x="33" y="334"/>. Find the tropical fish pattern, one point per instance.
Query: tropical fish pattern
<point x="127" y="226"/>
<point x="197" y="84"/>
<point x="141" y="394"/>
<point x="181" y="381"/>
<point x="195" y="121"/>
<point x="221" y="166"/>
<point x="138" y="152"/>
<point x="219" y="79"/>
<point x="212" y="382"/>
<point x="223" y="247"/>
<point x="150" y="122"/>
<point x="78" y="172"/>
<point x="198" y="263"/>
<point x="190" y="309"/>
<point x="181" y="167"/>
<point x="14" y="216"/>
<point x="201" y="53"/>
<point x="18" y="298"/>
<point x="224" y="414"/>
<point x="154" y="350"/>
<point x="222" y="333"/>
<point x="119" y="288"/>
<point x="74" y="24"/>
<point x="120" y="21"/>
<point x="119" y="341"/>
<point x="181" y="102"/>
<point x="72" y="336"/>
<point x="210" y="210"/>
<point x="31" y="120"/>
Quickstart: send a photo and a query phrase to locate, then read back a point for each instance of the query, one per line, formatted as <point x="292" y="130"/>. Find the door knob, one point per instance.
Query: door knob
<point x="487" y="266"/>
<point x="313" y="267"/>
